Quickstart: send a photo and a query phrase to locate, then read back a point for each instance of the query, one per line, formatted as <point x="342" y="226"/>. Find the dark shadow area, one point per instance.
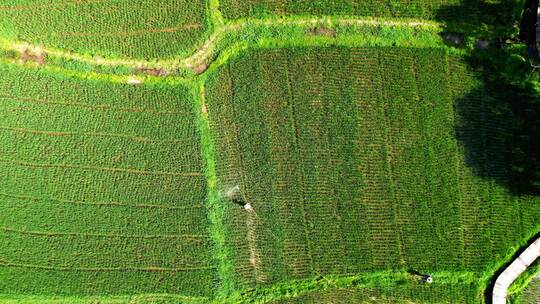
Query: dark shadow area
<point x="479" y="11"/>
<point x="498" y="123"/>
<point x="480" y="23"/>
<point x="527" y="24"/>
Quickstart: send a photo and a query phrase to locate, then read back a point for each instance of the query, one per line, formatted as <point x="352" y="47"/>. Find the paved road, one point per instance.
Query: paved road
<point x="512" y="272"/>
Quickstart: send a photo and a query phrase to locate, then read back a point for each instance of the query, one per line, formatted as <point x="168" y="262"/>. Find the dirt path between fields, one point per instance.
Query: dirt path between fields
<point x="512" y="272"/>
<point x="202" y="57"/>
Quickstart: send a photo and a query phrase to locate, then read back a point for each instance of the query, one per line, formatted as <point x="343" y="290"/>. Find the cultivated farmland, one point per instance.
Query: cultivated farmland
<point x="427" y="9"/>
<point x="102" y="189"/>
<point x="420" y="293"/>
<point x="353" y="163"/>
<point x="205" y="151"/>
<point x="531" y="294"/>
<point x="142" y="29"/>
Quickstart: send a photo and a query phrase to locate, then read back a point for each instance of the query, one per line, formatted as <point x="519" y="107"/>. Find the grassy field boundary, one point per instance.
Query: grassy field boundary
<point x="294" y="31"/>
<point x="296" y="288"/>
<point x="280" y="291"/>
<point x="215" y="208"/>
<point x="215" y="14"/>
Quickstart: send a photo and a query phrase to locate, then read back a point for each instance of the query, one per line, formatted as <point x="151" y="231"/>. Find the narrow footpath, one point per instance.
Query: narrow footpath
<point x="512" y="272"/>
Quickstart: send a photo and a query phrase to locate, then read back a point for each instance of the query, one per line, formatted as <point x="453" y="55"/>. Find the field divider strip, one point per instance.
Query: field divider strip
<point x="215" y="209"/>
<point x="295" y="288"/>
<point x="218" y="42"/>
<point x="270" y="294"/>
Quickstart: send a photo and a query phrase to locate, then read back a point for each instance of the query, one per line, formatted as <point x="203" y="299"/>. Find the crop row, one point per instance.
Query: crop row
<point x="355" y="160"/>
<point x="102" y="190"/>
<point x="531" y="293"/>
<point x="418" y="293"/>
<point x="150" y="28"/>
<point x="427" y="9"/>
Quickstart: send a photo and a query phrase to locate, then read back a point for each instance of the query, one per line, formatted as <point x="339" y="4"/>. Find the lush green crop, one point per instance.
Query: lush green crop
<point x="290" y="160"/>
<point x="102" y="189"/>
<point x="418" y="293"/>
<point x="142" y="28"/>
<point x="419" y="8"/>
<point x="531" y="294"/>
<point x="354" y="160"/>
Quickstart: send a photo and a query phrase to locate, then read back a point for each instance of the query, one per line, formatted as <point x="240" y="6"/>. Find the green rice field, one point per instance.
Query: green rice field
<point x="352" y="163"/>
<point x="531" y="294"/>
<point x="282" y="152"/>
<point x="141" y="29"/>
<point x="102" y="190"/>
<point x="427" y="9"/>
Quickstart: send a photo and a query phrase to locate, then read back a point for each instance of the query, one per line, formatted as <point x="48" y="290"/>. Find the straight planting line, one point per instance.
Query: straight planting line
<point x="293" y="289"/>
<point x="102" y="107"/>
<point x="95" y="168"/>
<point x="188" y="237"/>
<point x="301" y="175"/>
<point x="48" y="4"/>
<point x="4" y="263"/>
<point x="459" y="204"/>
<point x="99" y="204"/>
<point x="93" y="134"/>
<point x="128" y="33"/>
<point x="388" y="165"/>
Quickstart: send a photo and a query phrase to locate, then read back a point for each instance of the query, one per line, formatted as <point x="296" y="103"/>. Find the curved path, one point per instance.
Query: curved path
<point x="512" y="272"/>
<point x="215" y="43"/>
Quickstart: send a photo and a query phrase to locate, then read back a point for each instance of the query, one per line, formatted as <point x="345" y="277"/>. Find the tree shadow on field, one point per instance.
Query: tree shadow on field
<point x="498" y="122"/>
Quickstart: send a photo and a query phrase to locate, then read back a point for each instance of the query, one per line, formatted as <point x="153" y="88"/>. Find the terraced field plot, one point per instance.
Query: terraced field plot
<point x="420" y="8"/>
<point x="531" y="294"/>
<point x="142" y="29"/>
<point x="253" y="174"/>
<point x="102" y="189"/>
<point x="353" y="161"/>
<point x="460" y="293"/>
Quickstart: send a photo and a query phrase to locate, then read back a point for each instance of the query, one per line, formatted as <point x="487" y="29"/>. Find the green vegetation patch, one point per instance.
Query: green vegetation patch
<point x="426" y="9"/>
<point x="142" y="29"/>
<point x="531" y="293"/>
<point x="103" y="189"/>
<point x="417" y="293"/>
<point x="339" y="161"/>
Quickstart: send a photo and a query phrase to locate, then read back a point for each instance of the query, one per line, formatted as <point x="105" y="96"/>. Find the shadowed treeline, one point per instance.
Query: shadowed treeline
<point x="498" y="122"/>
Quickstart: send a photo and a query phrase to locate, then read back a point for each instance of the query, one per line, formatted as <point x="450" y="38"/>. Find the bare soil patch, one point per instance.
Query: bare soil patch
<point x="322" y="31"/>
